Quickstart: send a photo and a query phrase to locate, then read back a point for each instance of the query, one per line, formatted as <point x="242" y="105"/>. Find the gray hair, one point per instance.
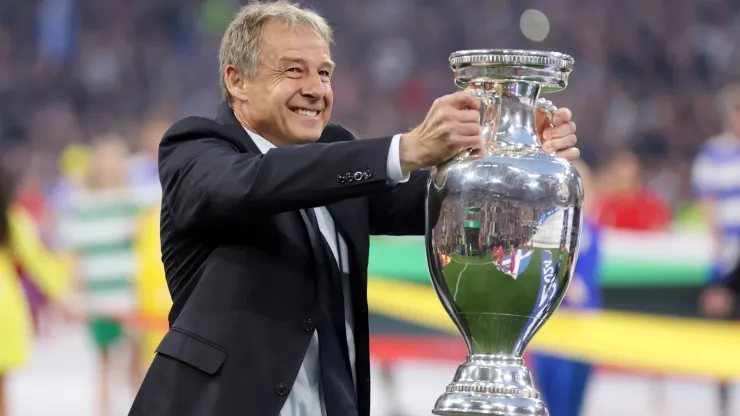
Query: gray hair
<point x="242" y="43"/>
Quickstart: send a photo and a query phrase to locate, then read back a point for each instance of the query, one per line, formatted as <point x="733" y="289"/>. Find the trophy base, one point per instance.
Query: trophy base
<point x="491" y="384"/>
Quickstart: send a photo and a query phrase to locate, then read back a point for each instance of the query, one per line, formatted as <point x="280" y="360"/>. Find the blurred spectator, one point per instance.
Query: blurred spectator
<point x="20" y="246"/>
<point x="75" y="68"/>
<point x="624" y="201"/>
<point x="716" y="182"/>
<point x="100" y="226"/>
<point x="31" y="197"/>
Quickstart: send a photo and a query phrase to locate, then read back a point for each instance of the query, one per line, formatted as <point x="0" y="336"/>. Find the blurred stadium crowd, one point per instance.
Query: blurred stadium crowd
<point x="646" y="75"/>
<point x="74" y="73"/>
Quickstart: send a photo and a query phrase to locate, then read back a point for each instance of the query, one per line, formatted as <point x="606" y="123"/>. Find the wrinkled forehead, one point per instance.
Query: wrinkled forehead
<point x="281" y="42"/>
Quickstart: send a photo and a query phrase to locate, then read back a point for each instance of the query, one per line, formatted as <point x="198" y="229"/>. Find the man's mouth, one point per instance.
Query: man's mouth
<point x="305" y="112"/>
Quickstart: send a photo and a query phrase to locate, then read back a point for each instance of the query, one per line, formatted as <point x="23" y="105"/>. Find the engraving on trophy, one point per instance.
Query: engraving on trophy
<point x="561" y="192"/>
<point x="503" y="224"/>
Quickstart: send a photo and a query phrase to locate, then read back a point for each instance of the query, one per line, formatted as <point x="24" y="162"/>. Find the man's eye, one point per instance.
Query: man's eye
<point x="325" y="73"/>
<point x="294" y="69"/>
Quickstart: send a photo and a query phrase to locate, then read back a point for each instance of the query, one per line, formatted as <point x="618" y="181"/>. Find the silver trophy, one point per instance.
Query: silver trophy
<point x="502" y="231"/>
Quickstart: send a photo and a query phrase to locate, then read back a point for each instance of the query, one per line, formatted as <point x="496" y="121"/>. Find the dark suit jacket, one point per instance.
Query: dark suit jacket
<point x="240" y="267"/>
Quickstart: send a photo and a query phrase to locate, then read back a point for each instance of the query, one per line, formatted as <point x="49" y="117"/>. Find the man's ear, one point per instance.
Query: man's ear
<point x="236" y="83"/>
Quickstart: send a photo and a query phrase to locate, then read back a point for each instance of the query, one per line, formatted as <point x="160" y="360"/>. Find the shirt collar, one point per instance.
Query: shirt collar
<point x="260" y="141"/>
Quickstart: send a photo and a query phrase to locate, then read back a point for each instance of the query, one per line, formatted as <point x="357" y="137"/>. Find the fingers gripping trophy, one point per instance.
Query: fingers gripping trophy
<point x="502" y="231"/>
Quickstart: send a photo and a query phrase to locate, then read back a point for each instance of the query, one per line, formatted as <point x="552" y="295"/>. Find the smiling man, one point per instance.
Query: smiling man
<point x="267" y="213"/>
<point x="272" y="98"/>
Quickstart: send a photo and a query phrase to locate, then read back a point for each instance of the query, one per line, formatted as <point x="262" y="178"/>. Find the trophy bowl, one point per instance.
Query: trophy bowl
<point x="503" y="224"/>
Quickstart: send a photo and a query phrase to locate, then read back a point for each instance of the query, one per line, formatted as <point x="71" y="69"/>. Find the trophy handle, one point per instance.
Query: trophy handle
<point x="547" y="107"/>
<point x="490" y="108"/>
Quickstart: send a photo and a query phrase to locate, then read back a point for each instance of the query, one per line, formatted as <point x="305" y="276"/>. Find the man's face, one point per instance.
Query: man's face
<point x="290" y="99"/>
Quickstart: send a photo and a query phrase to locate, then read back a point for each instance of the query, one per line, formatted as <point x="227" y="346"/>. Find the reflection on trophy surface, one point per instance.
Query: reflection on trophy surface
<point x="503" y="224"/>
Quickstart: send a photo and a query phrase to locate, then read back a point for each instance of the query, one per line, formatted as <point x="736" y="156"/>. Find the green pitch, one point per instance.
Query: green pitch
<point x="497" y="306"/>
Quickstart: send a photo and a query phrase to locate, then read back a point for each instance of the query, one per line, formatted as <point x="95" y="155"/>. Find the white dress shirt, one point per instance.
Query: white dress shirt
<point x="305" y="398"/>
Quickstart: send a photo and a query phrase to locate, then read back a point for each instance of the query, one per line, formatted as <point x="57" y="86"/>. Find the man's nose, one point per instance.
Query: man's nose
<point x="313" y="86"/>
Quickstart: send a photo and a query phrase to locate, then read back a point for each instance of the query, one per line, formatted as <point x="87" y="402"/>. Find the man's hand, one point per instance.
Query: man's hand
<point x="559" y="138"/>
<point x="716" y="302"/>
<point x="451" y="125"/>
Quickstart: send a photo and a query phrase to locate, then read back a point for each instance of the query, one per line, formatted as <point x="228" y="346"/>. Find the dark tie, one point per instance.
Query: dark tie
<point x="340" y="398"/>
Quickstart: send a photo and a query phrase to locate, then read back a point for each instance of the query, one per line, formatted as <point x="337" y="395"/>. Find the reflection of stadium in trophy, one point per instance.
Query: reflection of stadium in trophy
<point x="493" y="231"/>
<point x="473" y="225"/>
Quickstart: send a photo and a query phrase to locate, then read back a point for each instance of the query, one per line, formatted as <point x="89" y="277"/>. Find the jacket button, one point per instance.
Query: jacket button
<point x="281" y="389"/>
<point x="367" y="174"/>
<point x="358" y="176"/>
<point x="340" y="179"/>
<point x="309" y="325"/>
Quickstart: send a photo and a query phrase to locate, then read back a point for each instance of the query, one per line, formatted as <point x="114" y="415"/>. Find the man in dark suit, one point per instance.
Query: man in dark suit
<point x="266" y="217"/>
